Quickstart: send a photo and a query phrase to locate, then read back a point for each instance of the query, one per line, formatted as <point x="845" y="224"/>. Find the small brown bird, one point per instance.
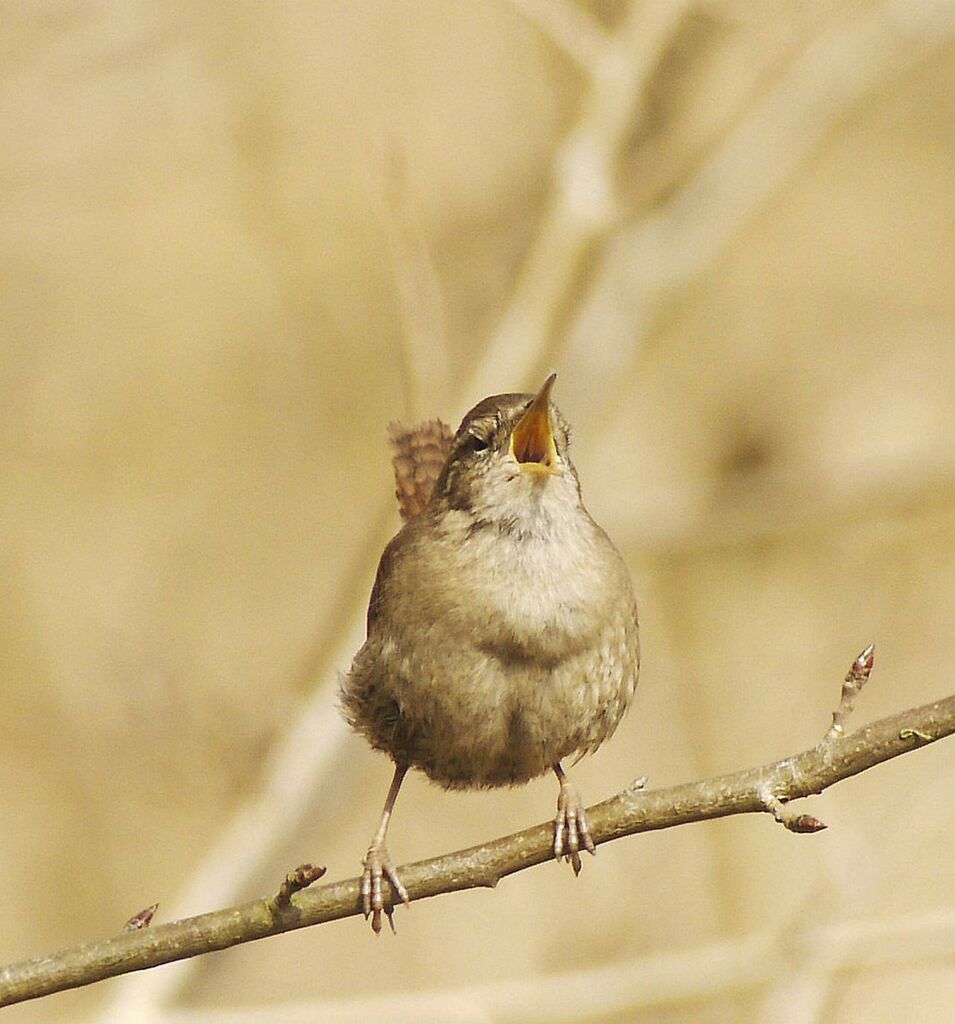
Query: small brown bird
<point x="502" y="627"/>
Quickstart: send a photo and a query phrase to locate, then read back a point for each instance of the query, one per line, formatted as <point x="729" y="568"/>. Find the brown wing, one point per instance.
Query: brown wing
<point x="420" y="454"/>
<point x="383" y="567"/>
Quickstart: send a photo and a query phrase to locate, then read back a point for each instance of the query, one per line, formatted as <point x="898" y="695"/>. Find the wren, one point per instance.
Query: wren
<point x="502" y="632"/>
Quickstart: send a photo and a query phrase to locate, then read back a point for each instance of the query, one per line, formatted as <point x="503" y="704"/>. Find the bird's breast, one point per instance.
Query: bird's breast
<point x="525" y="596"/>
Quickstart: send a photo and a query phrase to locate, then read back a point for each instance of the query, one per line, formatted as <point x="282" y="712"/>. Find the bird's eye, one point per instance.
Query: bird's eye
<point x="477" y="443"/>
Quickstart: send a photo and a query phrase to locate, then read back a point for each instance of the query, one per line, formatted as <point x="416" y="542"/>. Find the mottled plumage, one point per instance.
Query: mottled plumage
<point x="419" y="456"/>
<point x="502" y="627"/>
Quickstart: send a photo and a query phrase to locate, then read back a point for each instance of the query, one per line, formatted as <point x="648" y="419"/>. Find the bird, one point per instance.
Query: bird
<point x="501" y="635"/>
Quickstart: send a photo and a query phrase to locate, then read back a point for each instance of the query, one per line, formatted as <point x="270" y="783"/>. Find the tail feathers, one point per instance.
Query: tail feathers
<point x="420" y="453"/>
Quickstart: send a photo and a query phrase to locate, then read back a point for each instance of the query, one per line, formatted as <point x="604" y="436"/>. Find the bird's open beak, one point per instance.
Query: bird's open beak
<point x="532" y="440"/>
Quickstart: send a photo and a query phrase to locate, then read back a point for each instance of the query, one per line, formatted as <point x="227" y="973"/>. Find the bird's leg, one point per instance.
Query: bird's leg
<point x="377" y="864"/>
<point x="571" y="830"/>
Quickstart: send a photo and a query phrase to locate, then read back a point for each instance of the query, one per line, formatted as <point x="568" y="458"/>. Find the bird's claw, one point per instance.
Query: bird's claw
<point x="571" y="828"/>
<point x="377" y="865"/>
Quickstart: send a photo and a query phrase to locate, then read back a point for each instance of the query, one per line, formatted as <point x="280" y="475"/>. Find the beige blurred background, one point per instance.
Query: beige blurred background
<point x="237" y="239"/>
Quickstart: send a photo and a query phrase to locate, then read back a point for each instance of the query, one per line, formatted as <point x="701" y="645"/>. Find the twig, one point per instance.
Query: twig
<point x="856" y="678"/>
<point x="803" y="824"/>
<point x="628" y="813"/>
<point x="295" y="881"/>
<point x="141" y="920"/>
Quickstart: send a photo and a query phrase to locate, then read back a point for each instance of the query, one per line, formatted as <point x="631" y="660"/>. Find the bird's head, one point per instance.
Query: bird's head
<point x="509" y="461"/>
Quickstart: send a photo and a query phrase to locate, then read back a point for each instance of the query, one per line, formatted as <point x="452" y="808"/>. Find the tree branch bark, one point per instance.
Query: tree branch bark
<point x="628" y="813"/>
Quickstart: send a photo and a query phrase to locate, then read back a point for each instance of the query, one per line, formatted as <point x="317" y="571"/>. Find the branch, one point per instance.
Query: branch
<point x="582" y="204"/>
<point x="629" y="813"/>
<point x="576" y="33"/>
<point x="648" y="262"/>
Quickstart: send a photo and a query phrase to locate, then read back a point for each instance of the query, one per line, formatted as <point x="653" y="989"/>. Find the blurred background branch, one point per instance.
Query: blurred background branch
<point x="672" y="980"/>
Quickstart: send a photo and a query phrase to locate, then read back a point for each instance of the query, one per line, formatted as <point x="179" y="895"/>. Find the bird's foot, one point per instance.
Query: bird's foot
<point x="377" y="866"/>
<point x="571" y="829"/>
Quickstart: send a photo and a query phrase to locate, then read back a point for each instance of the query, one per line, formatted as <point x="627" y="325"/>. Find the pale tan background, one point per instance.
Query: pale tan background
<point x="237" y="239"/>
